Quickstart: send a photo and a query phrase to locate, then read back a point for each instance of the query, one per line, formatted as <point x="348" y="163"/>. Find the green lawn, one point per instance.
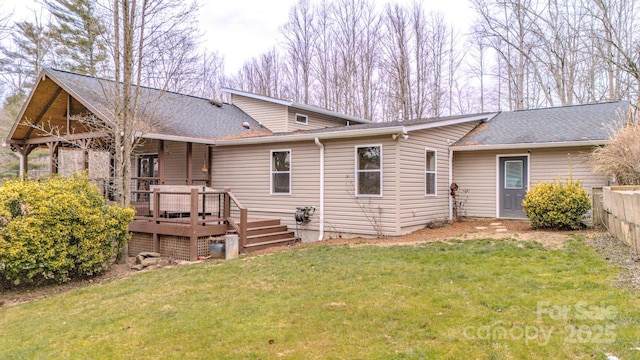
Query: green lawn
<point x="485" y="299"/>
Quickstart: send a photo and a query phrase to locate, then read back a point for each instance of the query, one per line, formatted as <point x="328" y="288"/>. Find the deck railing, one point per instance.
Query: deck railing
<point x="193" y="206"/>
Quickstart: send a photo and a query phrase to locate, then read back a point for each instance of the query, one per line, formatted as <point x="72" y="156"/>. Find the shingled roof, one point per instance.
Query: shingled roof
<point x="167" y="113"/>
<point x="567" y="124"/>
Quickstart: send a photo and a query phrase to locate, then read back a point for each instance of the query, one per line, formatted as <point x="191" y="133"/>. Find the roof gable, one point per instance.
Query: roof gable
<point x="166" y="113"/>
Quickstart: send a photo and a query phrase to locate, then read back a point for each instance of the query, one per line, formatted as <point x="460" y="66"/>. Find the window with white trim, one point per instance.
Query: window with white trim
<point x="369" y="170"/>
<point x="281" y="172"/>
<point x="430" y="172"/>
<point x="302" y="119"/>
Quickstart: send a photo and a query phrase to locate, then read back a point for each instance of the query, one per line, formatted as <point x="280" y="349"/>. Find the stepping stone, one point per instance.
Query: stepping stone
<point x="496" y="224"/>
<point x="501" y="230"/>
<point x="481" y="227"/>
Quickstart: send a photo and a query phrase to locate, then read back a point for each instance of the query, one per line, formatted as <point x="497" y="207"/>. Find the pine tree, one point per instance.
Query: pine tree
<point x="26" y="56"/>
<point x="78" y="35"/>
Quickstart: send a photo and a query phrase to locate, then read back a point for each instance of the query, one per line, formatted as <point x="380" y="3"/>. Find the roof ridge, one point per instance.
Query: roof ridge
<point x="569" y="106"/>
<point x="48" y="69"/>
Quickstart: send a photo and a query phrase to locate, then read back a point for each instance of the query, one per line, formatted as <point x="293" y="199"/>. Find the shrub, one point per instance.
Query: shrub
<point x="557" y="205"/>
<point x="56" y="230"/>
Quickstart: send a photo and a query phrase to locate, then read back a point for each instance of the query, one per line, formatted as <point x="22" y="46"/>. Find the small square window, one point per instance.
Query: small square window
<point x="302" y="119"/>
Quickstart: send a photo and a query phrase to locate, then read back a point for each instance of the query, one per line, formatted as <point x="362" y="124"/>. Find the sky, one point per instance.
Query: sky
<point x="242" y="29"/>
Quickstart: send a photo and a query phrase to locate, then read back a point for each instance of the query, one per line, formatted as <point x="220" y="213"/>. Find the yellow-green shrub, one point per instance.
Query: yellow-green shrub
<point x="57" y="229"/>
<point x="557" y="205"/>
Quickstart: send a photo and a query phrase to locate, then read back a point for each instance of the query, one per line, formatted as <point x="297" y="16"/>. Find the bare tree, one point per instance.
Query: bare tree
<point x="396" y="62"/>
<point x="142" y="31"/>
<point x="261" y="75"/>
<point x="210" y="75"/>
<point x="300" y="38"/>
<point x="619" y="35"/>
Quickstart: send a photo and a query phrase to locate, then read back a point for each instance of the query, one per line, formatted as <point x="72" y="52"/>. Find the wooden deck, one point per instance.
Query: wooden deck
<point x="182" y="221"/>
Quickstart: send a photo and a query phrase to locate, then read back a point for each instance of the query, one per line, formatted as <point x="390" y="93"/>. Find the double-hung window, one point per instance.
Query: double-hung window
<point x="369" y="170"/>
<point x="430" y="172"/>
<point x="281" y="172"/>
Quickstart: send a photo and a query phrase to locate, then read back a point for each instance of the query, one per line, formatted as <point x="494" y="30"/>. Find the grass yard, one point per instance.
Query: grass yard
<point x="484" y="299"/>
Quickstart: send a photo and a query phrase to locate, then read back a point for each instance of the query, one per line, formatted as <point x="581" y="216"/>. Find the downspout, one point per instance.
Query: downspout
<point x="450" y="182"/>
<point x="321" y="205"/>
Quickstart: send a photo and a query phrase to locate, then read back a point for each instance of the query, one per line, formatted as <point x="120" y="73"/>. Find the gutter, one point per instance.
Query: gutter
<point x="321" y="205"/>
<point x="530" y="145"/>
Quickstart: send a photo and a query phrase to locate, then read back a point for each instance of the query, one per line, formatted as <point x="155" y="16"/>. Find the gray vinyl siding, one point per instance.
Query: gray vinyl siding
<point x="476" y="171"/>
<point x="315" y="121"/>
<point x="416" y="208"/>
<point x="273" y="116"/>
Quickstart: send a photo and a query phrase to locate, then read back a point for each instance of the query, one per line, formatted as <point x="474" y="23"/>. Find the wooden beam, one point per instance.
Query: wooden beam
<point x="68" y="113"/>
<point x="63" y="138"/>
<point x="41" y="115"/>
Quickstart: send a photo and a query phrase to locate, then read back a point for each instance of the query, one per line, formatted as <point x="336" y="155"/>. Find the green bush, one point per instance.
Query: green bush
<point x="56" y="230"/>
<point x="557" y="205"/>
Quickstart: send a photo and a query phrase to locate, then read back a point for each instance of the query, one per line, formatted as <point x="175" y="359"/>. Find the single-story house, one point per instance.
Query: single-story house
<point x="341" y="175"/>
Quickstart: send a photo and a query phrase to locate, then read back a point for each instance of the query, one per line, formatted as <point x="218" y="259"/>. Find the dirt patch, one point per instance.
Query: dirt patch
<point x="469" y="230"/>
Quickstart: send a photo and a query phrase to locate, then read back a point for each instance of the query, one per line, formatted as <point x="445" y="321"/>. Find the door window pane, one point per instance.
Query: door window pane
<point x="513" y="174"/>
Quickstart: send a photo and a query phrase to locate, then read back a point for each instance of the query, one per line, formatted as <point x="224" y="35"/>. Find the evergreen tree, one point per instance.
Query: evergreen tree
<point x="78" y="35"/>
<point x="27" y="54"/>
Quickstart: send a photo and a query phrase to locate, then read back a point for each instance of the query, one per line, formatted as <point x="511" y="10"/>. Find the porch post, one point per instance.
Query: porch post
<point x="24" y="164"/>
<point x="209" y="166"/>
<point x="24" y="151"/>
<point x="53" y="157"/>
<point x="189" y="163"/>
<point x="161" y="162"/>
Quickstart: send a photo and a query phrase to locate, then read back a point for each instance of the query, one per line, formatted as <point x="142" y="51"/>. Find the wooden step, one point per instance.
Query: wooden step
<point x="267" y="244"/>
<point x="262" y="222"/>
<point x="269" y="237"/>
<point x="266" y="229"/>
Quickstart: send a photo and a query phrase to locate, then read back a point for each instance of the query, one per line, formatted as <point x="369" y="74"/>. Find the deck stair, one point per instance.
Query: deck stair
<point x="265" y="233"/>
